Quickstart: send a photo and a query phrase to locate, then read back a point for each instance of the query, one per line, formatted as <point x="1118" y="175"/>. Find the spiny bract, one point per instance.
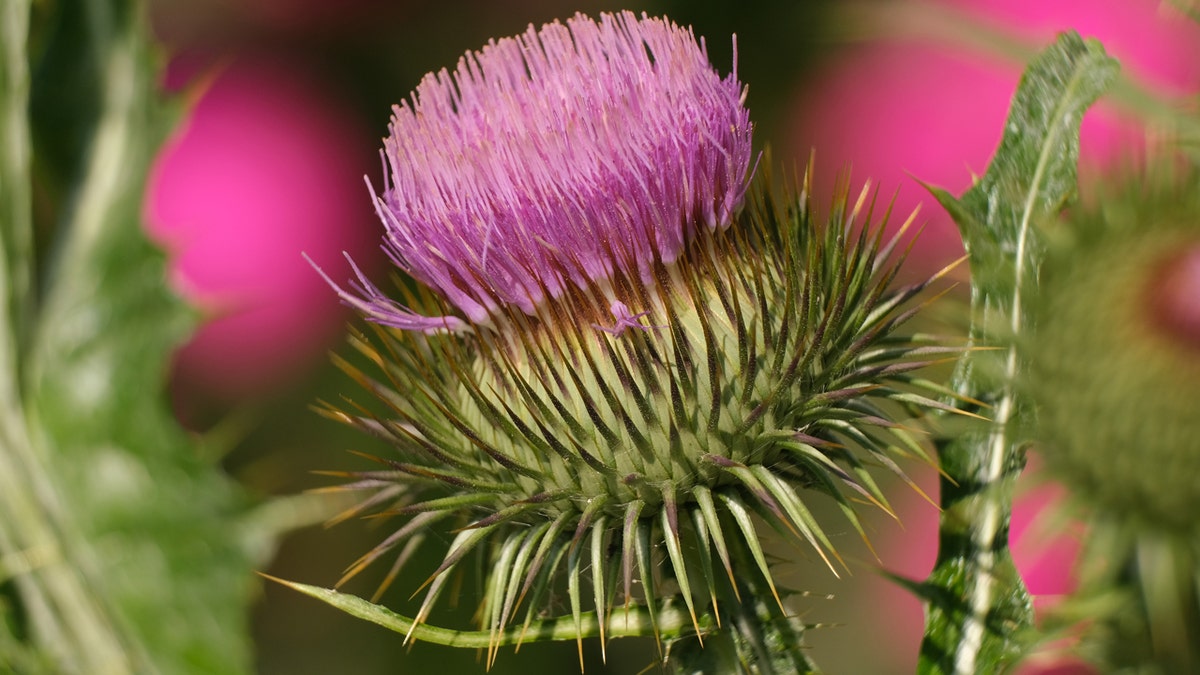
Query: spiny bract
<point x="767" y="369"/>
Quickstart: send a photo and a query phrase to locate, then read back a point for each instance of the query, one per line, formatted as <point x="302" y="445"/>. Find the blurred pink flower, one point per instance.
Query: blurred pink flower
<point x="900" y="108"/>
<point x="1043" y="548"/>
<point x="1175" y="301"/>
<point x="1045" y="545"/>
<point x="265" y="166"/>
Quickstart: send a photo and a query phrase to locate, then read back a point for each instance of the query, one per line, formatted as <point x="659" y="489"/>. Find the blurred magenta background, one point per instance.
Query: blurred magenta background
<point x="284" y="105"/>
<point x="266" y="165"/>
<point x="912" y="104"/>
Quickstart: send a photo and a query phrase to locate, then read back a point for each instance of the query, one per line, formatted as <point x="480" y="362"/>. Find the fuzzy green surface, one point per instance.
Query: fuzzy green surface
<point x="1117" y="394"/>
<point x="122" y="548"/>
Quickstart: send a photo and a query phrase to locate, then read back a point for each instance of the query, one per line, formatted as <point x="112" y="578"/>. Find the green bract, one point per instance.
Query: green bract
<point x="762" y="371"/>
<point x="1118" y="396"/>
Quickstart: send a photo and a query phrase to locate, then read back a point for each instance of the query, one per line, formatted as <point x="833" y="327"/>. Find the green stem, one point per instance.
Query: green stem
<point x="756" y="637"/>
<point x="673" y="622"/>
<point x="978" y="605"/>
<point x="67" y="619"/>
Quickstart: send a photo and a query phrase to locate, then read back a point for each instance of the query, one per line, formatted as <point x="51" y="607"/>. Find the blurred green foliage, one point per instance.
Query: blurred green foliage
<point x="123" y="549"/>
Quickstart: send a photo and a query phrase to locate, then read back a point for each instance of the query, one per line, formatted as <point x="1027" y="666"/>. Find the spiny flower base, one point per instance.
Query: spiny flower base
<point x="625" y="445"/>
<point x="761" y="638"/>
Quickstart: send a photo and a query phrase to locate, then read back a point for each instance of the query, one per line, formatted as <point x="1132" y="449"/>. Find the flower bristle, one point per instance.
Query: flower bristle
<point x="609" y="141"/>
<point x="765" y="367"/>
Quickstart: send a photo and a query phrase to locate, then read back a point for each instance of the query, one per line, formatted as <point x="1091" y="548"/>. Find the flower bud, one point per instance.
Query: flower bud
<point x="1116" y="376"/>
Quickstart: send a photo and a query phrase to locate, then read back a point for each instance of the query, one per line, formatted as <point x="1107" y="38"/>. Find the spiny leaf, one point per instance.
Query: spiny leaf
<point x="549" y="539"/>
<point x="1032" y="176"/>
<point x="463" y="543"/>
<point x="412" y="528"/>
<point x="705" y="547"/>
<point x="712" y="525"/>
<point x="498" y="581"/>
<point x="599" y="567"/>
<point x="542" y="586"/>
<point x="670" y="528"/>
<point x="741" y="516"/>
<point x="574" y="574"/>
<point x="629" y="545"/>
<point x="645" y="563"/>
<point x="512" y="594"/>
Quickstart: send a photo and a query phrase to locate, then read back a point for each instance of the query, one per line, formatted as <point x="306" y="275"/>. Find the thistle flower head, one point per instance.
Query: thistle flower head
<point x="1116" y="367"/>
<point x="661" y="373"/>
<point x="558" y="157"/>
<point x="1116" y="377"/>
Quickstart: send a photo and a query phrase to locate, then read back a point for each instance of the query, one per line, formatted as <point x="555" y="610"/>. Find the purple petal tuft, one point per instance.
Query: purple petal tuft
<point x="371" y="302"/>
<point x="625" y="320"/>
<point x="554" y="157"/>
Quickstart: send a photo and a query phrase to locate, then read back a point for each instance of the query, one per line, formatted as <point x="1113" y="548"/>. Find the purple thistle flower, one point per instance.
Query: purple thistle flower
<point x="677" y="375"/>
<point x="555" y="158"/>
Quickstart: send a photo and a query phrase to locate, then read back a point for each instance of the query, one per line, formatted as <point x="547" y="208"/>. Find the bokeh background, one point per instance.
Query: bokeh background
<point x="283" y="105"/>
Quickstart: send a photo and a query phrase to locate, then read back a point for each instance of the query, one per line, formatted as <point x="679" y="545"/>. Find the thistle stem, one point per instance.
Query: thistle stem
<point x="977" y="601"/>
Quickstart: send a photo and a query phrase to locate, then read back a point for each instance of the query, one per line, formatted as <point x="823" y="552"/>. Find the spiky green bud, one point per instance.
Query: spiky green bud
<point x="1116" y="376"/>
<point x="1116" y="366"/>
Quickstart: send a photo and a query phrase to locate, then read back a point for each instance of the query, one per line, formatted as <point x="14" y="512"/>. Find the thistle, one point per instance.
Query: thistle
<point x="1116" y="373"/>
<point x="624" y="359"/>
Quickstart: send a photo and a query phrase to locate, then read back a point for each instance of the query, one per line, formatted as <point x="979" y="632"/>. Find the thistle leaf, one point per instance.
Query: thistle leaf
<point x="670" y="529"/>
<point x="133" y="546"/>
<point x="741" y="516"/>
<point x="712" y="525"/>
<point x="574" y="572"/>
<point x="977" y="600"/>
<point x="599" y="591"/>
